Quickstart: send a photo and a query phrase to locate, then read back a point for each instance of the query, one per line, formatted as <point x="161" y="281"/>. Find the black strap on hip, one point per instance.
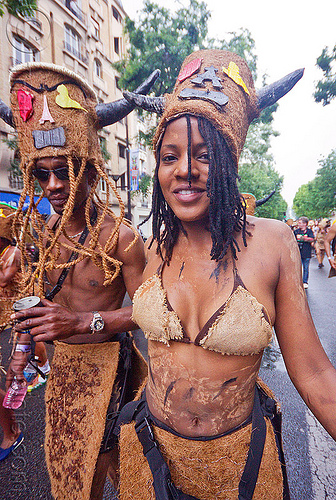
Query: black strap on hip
<point x="50" y="295"/>
<point x="249" y="478"/>
<point x="163" y="486"/>
<point x="121" y="390"/>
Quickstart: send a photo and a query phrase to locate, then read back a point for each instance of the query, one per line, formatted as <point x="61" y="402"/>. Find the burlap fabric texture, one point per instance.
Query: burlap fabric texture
<point x="77" y="397"/>
<point x="232" y="119"/>
<point x="80" y="124"/>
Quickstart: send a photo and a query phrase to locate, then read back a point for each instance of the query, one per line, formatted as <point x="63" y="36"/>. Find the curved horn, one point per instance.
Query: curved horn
<point x="112" y="112"/>
<point x="153" y="104"/>
<point x="266" y="198"/>
<point x="6" y="114"/>
<point x="270" y="94"/>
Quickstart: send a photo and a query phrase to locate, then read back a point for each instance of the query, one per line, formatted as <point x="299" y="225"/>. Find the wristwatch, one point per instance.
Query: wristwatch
<point x="97" y="323"/>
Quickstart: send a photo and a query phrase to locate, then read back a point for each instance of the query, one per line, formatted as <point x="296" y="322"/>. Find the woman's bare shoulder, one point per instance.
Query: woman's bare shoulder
<point x="261" y="227"/>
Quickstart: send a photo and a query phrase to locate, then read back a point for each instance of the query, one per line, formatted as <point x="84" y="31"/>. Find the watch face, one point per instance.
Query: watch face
<point x="98" y="325"/>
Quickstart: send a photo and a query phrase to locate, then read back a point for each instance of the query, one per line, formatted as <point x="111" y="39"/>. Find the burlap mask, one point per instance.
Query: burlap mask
<point x="203" y="88"/>
<point x="54" y="113"/>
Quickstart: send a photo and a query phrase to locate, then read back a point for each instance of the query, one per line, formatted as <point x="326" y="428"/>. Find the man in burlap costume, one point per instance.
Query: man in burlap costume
<point x="216" y="282"/>
<point x="88" y="258"/>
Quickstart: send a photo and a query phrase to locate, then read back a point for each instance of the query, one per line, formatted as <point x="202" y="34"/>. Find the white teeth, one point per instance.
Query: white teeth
<point x="187" y="191"/>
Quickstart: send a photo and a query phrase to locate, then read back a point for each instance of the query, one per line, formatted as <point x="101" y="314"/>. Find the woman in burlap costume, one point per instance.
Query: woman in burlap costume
<point x="216" y="282"/>
<point x="88" y="258"/>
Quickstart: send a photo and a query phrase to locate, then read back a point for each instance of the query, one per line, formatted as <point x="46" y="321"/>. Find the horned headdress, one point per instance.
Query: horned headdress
<point x="217" y="85"/>
<point x="55" y="113"/>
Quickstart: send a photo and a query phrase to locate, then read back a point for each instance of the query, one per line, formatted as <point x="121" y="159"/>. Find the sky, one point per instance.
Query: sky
<point x="288" y="35"/>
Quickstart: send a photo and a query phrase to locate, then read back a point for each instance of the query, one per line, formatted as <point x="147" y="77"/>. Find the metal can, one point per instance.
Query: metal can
<point x="24" y="304"/>
<point x="27" y="303"/>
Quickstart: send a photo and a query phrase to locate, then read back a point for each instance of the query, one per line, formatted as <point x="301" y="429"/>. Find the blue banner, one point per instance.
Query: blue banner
<point x="12" y="199"/>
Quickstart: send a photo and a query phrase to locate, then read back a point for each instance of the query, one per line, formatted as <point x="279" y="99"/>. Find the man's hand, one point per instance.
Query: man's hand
<point x="16" y="367"/>
<point x="51" y="322"/>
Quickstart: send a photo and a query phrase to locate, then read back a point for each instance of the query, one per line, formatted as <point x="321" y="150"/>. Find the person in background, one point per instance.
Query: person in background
<point x="321" y="233"/>
<point x="329" y="245"/>
<point x="10" y="278"/>
<point x="305" y="237"/>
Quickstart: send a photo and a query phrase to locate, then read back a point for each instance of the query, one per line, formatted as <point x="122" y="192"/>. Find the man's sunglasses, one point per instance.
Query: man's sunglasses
<point x="43" y="174"/>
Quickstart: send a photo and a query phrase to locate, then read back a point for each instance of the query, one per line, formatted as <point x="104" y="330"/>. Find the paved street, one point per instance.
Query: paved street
<point x="310" y="453"/>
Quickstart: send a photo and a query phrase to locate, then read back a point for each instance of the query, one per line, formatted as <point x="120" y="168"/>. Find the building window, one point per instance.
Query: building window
<point x="121" y="150"/>
<point x="95" y="29"/>
<point x="98" y="68"/>
<point x="116" y="45"/>
<point x="72" y="41"/>
<point x="123" y="182"/>
<point x="117" y="82"/>
<point x="23" y="52"/>
<point x="73" y="5"/>
<point x="103" y="185"/>
<point x="116" y="14"/>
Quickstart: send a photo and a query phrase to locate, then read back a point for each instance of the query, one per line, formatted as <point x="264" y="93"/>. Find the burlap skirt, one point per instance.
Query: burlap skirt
<point x="77" y="398"/>
<point x="208" y="470"/>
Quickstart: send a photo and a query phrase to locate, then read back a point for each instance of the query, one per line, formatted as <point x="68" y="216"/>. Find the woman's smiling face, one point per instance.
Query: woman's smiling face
<point x="189" y="202"/>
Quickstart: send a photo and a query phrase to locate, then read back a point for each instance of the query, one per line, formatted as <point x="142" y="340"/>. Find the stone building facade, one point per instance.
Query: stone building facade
<point x="86" y="36"/>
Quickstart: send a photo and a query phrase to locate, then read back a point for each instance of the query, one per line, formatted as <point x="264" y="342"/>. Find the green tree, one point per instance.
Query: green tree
<point x="160" y="39"/>
<point x="257" y="173"/>
<point x="18" y="7"/>
<point x="304" y="202"/>
<point x="326" y="87"/>
<point x="317" y="198"/>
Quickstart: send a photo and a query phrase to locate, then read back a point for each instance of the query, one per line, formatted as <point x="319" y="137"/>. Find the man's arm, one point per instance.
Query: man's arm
<point x="10" y="267"/>
<point x="55" y="322"/>
<point x="309" y="236"/>
<point x="327" y="241"/>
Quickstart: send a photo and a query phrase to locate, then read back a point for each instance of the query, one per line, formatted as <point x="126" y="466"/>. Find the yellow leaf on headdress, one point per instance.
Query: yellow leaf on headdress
<point x="233" y="73"/>
<point x="64" y="100"/>
<point x="1" y="213"/>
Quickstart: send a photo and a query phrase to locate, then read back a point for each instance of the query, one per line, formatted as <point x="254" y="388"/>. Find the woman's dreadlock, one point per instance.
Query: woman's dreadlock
<point x="227" y="211"/>
<point x="30" y="225"/>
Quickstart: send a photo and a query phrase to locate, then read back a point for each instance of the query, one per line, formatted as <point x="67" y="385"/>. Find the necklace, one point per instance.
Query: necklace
<point x="75" y="235"/>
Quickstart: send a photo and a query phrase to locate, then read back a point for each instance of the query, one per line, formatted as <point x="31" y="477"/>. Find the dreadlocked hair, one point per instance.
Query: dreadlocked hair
<point x="30" y="225"/>
<point x="227" y="210"/>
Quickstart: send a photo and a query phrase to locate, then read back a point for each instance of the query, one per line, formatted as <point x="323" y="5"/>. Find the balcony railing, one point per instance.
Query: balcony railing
<point x="15" y="182"/>
<point x="73" y="7"/>
<point x="80" y="54"/>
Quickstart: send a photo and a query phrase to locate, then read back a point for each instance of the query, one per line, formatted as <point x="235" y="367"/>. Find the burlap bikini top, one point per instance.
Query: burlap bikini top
<point x="240" y="326"/>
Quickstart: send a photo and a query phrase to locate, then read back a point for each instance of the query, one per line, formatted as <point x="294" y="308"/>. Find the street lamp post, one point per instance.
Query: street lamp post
<point x="129" y="205"/>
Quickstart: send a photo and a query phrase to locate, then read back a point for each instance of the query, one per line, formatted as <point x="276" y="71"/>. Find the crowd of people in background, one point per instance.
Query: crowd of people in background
<point x="312" y="238"/>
